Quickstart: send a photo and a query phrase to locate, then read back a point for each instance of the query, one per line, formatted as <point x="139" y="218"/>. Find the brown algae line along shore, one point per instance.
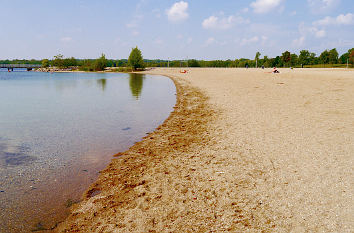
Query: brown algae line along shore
<point x="172" y="180"/>
<point x="130" y="193"/>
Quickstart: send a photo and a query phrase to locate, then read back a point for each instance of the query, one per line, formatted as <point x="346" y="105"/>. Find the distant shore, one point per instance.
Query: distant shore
<point x="244" y="150"/>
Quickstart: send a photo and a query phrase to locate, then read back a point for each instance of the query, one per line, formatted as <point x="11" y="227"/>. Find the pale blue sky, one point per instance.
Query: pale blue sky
<point x="202" y="29"/>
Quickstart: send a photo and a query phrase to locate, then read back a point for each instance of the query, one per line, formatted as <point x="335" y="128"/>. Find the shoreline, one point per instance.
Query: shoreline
<point x="129" y="166"/>
<point x="244" y="150"/>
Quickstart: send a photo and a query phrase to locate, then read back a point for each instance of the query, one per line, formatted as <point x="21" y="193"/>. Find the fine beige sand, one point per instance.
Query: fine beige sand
<point x="243" y="151"/>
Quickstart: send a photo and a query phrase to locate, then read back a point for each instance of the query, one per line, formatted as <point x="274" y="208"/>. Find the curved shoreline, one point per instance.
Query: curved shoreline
<point x="120" y="186"/>
<point x="244" y="150"/>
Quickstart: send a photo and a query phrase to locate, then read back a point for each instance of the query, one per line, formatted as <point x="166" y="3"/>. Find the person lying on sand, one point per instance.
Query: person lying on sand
<point x="275" y="71"/>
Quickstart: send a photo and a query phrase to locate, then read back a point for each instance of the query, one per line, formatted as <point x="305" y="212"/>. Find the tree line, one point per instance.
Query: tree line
<point x="328" y="58"/>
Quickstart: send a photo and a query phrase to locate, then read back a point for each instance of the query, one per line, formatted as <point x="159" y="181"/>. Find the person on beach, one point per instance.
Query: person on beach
<point x="275" y="70"/>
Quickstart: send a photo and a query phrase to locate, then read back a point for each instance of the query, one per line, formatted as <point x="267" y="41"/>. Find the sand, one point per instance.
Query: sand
<point x="243" y="151"/>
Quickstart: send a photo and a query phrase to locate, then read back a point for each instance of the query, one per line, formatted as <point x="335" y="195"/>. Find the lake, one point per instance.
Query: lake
<point x="58" y="130"/>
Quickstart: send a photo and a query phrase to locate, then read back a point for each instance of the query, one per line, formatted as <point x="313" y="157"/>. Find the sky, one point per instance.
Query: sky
<point x="170" y="29"/>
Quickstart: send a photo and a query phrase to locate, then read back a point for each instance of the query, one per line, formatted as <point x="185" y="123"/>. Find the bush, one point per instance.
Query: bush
<point x="135" y="59"/>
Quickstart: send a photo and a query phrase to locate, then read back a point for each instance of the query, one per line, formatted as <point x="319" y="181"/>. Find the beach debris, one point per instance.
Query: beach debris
<point x="71" y="202"/>
<point x="39" y="227"/>
<point x="93" y="192"/>
<point x="118" y="154"/>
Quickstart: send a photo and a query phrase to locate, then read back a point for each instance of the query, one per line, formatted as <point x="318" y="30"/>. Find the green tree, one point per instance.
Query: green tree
<point x="304" y="57"/>
<point x="100" y="63"/>
<point x="67" y="62"/>
<point x="324" y="57"/>
<point x="58" y="61"/>
<point x="286" y="57"/>
<point x="135" y="59"/>
<point x="293" y="59"/>
<point x="351" y="56"/>
<point x="333" y="56"/>
<point x="276" y="61"/>
<point x="344" y="58"/>
<point x="256" y="58"/>
<point x="266" y="61"/>
<point x="45" y="63"/>
<point x="313" y="59"/>
<point x="193" y="63"/>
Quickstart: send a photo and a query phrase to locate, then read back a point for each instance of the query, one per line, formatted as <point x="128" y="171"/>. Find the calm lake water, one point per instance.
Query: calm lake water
<point x="58" y="130"/>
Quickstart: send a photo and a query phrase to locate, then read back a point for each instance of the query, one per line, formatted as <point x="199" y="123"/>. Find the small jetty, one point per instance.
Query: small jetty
<point x="11" y="67"/>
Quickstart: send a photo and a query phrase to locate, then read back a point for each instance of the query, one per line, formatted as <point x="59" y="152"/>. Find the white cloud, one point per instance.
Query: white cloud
<point x="132" y="24"/>
<point x="158" y="41"/>
<point x="345" y="19"/>
<point x="264" y="40"/>
<point x="66" y="39"/>
<point x="209" y="41"/>
<point x="251" y="40"/>
<point x="214" y="22"/>
<point x="293" y="13"/>
<point x="178" y="12"/>
<point x="341" y="19"/>
<point x="307" y="32"/>
<point x="245" y="10"/>
<point x="299" y="42"/>
<point x="319" y="33"/>
<point x="322" y="6"/>
<point x="264" y="6"/>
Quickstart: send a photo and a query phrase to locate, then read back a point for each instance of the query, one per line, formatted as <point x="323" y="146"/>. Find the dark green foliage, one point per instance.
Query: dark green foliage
<point x="293" y="59"/>
<point x="100" y="63"/>
<point x="193" y="63"/>
<point x="62" y="63"/>
<point x="277" y="62"/>
<point x="286" y="57"/>
<point x="344" y="58"/>
<point x="69" y="62"/>
<point x="58" y="61"/>
<point x="45" y="63"/>
<point x="93" y="65"/>
<point x="304" y="57"/>
<point x="351" y="56"/>
<point x="135" y="59"/>
<point x="324" y="57"/>
<point x="333" y="56"/>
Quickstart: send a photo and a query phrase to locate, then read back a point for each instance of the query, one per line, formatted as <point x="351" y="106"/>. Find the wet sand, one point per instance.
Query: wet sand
<point x="244" y="150"/>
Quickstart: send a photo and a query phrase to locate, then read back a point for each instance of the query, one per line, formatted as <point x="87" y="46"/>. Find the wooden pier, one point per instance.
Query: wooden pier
<point x="11" y="67"/>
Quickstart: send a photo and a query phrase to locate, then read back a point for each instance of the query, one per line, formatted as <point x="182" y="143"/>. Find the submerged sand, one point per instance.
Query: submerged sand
<point x="244" y="150"/>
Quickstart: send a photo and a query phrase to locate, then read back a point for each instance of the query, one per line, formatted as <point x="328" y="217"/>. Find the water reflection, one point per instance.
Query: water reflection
<point x="136" y="84"/>
<point x="102" y="83"/>
<point x="15" y="158"/>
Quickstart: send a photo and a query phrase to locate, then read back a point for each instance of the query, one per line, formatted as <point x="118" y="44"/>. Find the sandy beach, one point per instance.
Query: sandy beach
<point x="244" y="151"/>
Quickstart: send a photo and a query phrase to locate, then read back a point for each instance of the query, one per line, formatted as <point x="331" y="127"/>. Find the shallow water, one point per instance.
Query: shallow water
<point x="58" y="130"/>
